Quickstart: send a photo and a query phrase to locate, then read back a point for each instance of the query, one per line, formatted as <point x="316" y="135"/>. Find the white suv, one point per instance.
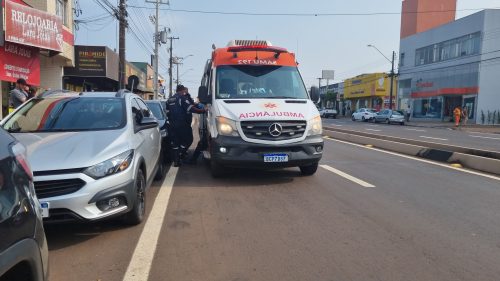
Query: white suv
<point x="93" y="154"/>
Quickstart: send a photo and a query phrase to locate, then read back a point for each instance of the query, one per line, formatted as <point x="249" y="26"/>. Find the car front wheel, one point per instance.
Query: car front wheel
<point x="353" y="119"/>
<point x="136" y="215"/>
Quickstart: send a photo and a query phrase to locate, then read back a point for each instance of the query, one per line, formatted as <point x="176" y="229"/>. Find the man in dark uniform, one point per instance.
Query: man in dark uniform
<point x="180" y="117"/>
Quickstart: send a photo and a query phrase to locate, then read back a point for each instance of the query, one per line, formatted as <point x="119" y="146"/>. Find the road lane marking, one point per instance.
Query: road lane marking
<point x="422" y="160"/>
<point x="142" y="259"/>
<point x="374" y="130"/>
<point x="433" y="138"/>
<point x="481" y="137"/>
<point x="491" y="134"/>
<point x="347" y="176"/>
<point x="416" y="130"/>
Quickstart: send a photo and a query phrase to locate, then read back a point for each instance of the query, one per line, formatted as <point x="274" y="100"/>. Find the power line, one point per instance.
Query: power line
<point x="305" y="14"/>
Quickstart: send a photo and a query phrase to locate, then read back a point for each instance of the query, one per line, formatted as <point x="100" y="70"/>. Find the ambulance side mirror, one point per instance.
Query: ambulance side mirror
<point x="315" y="94"/>
<point x="203" y="95"/>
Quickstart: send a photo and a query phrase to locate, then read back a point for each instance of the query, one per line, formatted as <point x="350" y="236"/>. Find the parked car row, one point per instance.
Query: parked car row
<point x="386" y="116"/>
<point x="68" y="156"/>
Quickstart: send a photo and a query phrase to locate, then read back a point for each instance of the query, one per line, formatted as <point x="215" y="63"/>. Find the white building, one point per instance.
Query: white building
<point x="456" y="64"/>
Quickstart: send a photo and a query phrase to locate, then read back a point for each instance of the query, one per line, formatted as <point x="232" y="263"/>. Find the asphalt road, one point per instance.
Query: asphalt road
<point x="477" y="140"/>
<point x="366" y="215"/>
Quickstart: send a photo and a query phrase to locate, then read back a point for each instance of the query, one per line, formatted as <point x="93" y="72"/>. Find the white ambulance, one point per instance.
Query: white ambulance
<point x="260" y="112"/>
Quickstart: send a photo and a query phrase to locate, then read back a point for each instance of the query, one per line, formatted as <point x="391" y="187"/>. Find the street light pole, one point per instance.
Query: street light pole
<point x="392" y="74"/>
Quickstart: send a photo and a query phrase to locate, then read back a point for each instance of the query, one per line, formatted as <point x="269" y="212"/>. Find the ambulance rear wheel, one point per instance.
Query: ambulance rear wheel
<point x="309" y="170"/>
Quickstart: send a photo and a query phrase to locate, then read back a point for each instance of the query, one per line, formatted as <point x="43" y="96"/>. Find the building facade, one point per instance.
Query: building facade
<point x="422" y="15"/>
<point x="36" y="44"/>
<point x="456" y="64"/>
<point x="96" y="69"/>
<point x="369" y="91"/>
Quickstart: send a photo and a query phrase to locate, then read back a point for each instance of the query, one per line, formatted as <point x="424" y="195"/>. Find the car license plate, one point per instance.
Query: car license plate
<point x="275" y="158"/>
<point x="45" y="209"/>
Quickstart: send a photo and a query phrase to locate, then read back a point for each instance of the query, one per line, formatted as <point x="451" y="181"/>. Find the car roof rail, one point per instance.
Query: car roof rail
<point x="121" y="93"/>
<point x="49" y="93"/>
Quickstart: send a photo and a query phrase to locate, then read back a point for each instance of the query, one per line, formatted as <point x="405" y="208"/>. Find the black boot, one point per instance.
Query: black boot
<point x="177" y="158"/>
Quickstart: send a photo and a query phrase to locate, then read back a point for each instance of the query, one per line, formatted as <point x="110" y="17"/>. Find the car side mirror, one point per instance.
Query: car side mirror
<point x="315" y="94"/>
<point x="203" y="95"/>
<point x="138" y="116"/>
<point x="149" y="121"/>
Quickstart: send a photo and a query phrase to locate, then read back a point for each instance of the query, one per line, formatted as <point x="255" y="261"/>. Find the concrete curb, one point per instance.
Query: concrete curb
<point x="479" y="163"/>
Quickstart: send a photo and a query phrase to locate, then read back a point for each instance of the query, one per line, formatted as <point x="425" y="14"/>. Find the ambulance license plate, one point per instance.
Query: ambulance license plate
<point x="45" y="209"/>
<point x="275" y="158"/>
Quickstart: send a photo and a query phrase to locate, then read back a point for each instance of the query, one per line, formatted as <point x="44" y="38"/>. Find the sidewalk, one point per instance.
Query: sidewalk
<point x="493" y="129"/>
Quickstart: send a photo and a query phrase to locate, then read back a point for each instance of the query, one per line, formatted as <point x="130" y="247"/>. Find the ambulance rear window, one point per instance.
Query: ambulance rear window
<point x="259" y="82"/>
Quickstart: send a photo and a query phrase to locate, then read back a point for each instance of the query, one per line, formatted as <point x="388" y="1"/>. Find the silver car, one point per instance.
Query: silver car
<point x="93" y="154"/>
<point x="389" y="116"/>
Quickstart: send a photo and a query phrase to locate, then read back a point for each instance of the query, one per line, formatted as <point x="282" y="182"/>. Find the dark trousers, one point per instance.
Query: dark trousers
<point x="182" y="136"/>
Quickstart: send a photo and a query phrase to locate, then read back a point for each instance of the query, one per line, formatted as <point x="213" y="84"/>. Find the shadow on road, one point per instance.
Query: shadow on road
<point x="64" y="235"/>
<point x="199" y="175"/>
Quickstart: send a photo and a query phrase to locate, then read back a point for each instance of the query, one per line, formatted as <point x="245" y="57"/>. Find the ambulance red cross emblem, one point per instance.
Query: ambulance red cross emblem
<point x="270" y="105"/>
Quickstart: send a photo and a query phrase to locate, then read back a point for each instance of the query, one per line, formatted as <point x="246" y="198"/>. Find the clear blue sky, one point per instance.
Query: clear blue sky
<point x="335" y="42"/>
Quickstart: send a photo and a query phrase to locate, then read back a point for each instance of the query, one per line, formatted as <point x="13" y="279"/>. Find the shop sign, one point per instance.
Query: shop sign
<point x="28" y="26"/>
<point x="90" y="61"/>
<point x="19" y="61"/>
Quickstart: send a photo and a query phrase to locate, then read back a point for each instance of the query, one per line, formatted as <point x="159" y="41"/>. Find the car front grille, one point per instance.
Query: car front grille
<point x="260" y="130"/>
<point x="45" y="189"/>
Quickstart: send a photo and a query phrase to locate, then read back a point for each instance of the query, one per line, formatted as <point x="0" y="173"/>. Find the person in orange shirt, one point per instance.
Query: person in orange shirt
<point x="457" y="112"/>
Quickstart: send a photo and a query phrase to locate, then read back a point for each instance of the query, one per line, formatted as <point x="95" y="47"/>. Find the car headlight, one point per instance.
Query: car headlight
<point x="111" y="166"/>
<point x="226" y="127"/>
<point x="316" y="127"/>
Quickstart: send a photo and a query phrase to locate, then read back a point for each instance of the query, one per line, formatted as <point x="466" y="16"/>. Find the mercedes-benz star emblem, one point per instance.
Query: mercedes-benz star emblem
<point x="275" y="130"/>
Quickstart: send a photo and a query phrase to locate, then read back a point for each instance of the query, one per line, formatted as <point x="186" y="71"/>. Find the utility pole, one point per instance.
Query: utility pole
<point x="392" y="79"/>
<point x="177" y="63"/>
<point x="123" y="25"/>
<point x="157" y="45"/>
<point x="170" y="93"/>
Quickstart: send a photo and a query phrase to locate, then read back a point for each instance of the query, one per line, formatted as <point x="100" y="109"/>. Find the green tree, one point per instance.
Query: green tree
<point x="331" y="96"/>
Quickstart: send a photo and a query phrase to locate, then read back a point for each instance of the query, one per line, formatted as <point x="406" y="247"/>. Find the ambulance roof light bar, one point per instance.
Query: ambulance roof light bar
<point x="257" y="48"/>
<point x="234" y="43"/>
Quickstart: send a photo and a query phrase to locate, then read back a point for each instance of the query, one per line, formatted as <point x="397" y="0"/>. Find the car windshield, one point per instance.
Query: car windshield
<point x="396" y="113"/>
<point x="68" y="114"/>
<point x="259" y="82"/>
<point x="156" y="109"/>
